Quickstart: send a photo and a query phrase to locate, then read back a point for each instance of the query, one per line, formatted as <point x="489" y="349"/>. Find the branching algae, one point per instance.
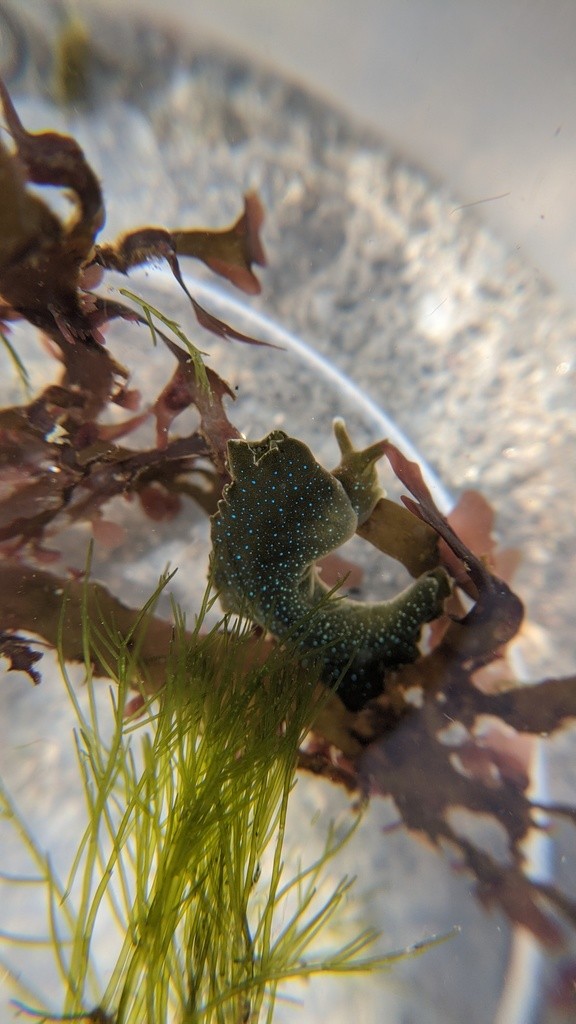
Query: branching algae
<point x="283" y="511"/>
<point x="65" y="462"/>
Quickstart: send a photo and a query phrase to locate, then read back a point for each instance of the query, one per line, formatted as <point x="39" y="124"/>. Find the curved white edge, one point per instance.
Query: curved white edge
<point x="263" y="327"/>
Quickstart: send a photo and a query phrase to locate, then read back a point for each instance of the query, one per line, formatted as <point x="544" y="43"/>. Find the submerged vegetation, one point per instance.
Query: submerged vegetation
<point x="186" y="807"/>
<point x="184" y="837"/>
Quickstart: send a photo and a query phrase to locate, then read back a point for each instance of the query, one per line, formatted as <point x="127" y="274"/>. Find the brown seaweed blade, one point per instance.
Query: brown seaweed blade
<point x="407" y="756"/>
<point x="41" y="257"/>
<point x="66" y="457"/>
<point x="497" y="613"/>
<point x="42" y="260"/>
<point x="229" y="253"/>
<point x="399" y="748"/>
<point x="50" y="158"/>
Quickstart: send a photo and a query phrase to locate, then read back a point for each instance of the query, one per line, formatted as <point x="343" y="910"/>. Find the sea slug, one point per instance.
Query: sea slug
<point x="280" y="513"/>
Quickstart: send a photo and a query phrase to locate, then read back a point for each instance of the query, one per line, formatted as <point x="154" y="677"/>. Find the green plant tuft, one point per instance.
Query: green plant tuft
<point x="183" y="843"/>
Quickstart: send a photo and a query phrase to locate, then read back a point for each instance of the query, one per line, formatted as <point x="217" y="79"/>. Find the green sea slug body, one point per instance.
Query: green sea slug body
<point x="281" y="512"/>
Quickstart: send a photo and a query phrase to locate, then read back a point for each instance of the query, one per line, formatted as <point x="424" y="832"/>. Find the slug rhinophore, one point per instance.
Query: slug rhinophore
<point x="280" y="513"/>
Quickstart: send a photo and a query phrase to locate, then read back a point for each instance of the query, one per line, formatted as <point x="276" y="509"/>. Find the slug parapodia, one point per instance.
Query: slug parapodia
<point x="280" y="513"/>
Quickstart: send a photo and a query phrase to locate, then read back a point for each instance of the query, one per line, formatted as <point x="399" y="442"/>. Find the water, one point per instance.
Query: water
<point x="385" y="283"/>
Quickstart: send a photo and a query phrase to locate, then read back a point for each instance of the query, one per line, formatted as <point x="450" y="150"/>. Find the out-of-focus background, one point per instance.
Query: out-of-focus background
<point x="482" y="94"/>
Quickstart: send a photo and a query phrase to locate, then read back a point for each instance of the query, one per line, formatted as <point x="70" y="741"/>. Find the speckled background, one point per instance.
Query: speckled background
<point x="375" y="266"/>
